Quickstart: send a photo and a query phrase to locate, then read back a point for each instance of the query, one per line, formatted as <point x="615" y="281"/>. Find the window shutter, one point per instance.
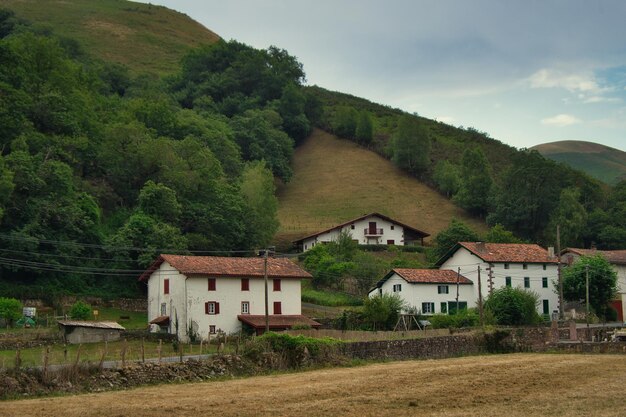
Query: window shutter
<point x="211" y="284"/>
<point x="206" y="308"/>
<point x="166" y="286"/>
<point x="245" y="284"/>
<point x="217" y="308"/>
<point x="277" y="307"/>
<point x="276" y="285"/>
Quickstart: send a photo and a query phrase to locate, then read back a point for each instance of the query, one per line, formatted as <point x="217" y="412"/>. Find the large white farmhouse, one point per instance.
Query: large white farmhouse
<point x="207" y="294"/>
<point x="617" y="258"/>
<point x="430" y="291"/>
<point x="370" y="229"/>
<point x="526" y="266"/>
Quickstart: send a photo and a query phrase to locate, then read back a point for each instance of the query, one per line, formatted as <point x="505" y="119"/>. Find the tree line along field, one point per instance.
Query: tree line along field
<point x="512" y="385"/>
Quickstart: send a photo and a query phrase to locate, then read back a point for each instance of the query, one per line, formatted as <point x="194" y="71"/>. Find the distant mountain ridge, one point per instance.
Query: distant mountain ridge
<point x="602" y="162"/>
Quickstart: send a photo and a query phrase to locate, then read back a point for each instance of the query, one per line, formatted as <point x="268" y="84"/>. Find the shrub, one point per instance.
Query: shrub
<point x="513" y="306"/>
<point x="464" y="318"/>
<point x="382" y="311"/>
<point x="80" y="311"/>
<point x="294" y="349"/>
<point x="10" y="309"/>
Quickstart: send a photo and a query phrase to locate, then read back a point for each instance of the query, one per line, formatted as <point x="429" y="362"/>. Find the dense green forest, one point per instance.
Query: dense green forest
<point x="101" y="167"/>
<point x="101" y="170"/>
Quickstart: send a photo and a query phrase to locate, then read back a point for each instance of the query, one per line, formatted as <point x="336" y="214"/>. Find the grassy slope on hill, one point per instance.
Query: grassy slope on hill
<point x="602" y="162"/>
<point x="146" y="38"/>
<point x="335" y="180"/>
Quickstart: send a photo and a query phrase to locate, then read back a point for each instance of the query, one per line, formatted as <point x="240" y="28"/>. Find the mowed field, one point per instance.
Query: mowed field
<point x="511" y="385"/>
<point x="335" y="180"/>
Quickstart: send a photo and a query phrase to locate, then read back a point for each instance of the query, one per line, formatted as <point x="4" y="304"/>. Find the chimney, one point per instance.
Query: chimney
<point x="550" y="251"/>
<point x="480" y="247"/>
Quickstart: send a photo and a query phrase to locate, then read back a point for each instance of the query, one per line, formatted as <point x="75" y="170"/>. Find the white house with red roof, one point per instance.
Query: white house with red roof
<point x="370" y="229"/>
<point x="617" y="258"/>
<point x="431" y="291"/>
<point x="527" y="266"/>
<point x="203" y="295"/>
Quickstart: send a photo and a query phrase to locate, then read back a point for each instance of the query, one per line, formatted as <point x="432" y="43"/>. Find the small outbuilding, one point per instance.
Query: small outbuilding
<point x="75" y="331"/>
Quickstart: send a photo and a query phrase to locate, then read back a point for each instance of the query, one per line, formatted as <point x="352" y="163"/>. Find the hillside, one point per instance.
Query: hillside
<point x="144" y="37"/>
<point x="335" y="180"/>
<point x="601" y="162"/>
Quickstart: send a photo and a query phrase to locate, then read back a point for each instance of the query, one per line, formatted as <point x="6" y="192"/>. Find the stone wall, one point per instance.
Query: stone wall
<point x="435" y="347"/>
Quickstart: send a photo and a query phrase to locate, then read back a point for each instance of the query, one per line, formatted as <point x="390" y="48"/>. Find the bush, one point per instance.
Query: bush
<point x="80" y="311"/>
<point x="10" y="309"/>
<point x="381" y="312"/>
<point x="513" y="306"/>
<point x="464" y="318"/>
<point x="294" y="349"/>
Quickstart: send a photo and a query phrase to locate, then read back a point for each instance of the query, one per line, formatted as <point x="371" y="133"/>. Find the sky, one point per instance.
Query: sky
<point x="525" y="72"/>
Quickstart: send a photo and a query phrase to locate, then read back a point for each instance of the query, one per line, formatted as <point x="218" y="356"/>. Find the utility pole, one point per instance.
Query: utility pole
<point x="490" y="278"/>
<point x="267" y="316"/>
<point x="480" y="299"/>
<point x="558" y="269"/>
<point x="587" y="294"/>
<point x="458" y="275"/>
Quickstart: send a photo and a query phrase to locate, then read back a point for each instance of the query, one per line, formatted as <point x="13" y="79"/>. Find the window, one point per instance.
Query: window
<point x="212" y="329"/>
<point x="276" y="285"/>
<point x="524" y="266"/>
<point x="428" y="308"/>
<point x="211" y="284"/>
<point x="278" y="308"/>
<point x="544" y="267"/>
<point x="391" y="242"/>
<point x="166" y="286"/>
<point x="444" y="308"/>
<point x="392" y="227"/>
<point x="245" y="307"/>
<point x="245" y="284"/>
<point x="546" y="306"/>
<point x="163" y="309"/>
<point x="212" y="307"/>
<point x="506" y="266"/>
<point x="452" y="306"/>
<point x="352" y="226"/>
<point x="526" y="282"/>
<point x="507" y="281"/>
<point x="443" y="289"/>
<point x="544" y="282"/>
<point x="397" y="287"/>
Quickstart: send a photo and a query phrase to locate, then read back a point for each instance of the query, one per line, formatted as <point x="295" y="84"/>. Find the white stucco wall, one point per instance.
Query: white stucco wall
<point x="187" y="299"/>
<point x="469" y="263"/>
<point x="416" y="294"/>
<point x="358" y="233"/>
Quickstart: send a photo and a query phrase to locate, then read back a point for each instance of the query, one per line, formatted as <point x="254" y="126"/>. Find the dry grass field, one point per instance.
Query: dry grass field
<point x="335" y="180"/>
<point x="511" y="385"/>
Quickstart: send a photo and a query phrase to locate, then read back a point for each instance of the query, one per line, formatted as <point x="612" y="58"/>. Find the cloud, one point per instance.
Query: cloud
<point x="583" y="83"/>
<point x="560" y="120"/>
<point x="601" y="99"/>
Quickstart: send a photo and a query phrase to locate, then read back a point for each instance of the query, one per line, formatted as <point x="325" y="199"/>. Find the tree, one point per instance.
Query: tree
<point x="364" y="128"/>
<point x="382" y="311"/>
<point x="80" y="310"/>
<point x="291" y="109"/>
<point x="160" y="202"/>
<point x="257" y="190"/>
<point x="345" y="121"/>
<point x="10" y="309"/>
<point x="602" y="283"/>
<point x="411" y="145"/>
<point x="447" y="176"/>
<point x="513" y="306"/>
<point x="456" y="231"/>
<point x="475" y="185"/>
<point x="498" y="234"/>
<point x="571" y="216"/>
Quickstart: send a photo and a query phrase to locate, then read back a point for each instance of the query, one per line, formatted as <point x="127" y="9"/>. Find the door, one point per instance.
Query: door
<point x="372" y="228"/>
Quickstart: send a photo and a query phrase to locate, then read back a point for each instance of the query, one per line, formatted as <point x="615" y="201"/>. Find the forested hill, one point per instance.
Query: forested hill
<point x="103" y="165"/>
<point x="143" y="37"/>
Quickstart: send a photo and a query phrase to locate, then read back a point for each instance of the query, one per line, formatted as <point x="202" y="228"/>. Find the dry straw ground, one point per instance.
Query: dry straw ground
<point x="511" y="385"/>
<point x="335" y="180"/>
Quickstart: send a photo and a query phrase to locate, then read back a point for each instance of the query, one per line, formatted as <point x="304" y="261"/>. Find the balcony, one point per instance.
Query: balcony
<point x="372" y="231"/>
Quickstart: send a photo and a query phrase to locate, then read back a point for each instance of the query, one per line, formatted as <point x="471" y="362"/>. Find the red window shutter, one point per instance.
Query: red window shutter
<point x="276" y="285"/>
<point x="217" y="308"/>
<point x="245" y="284"/>
<point x="166" y="286"/>
<point x="278" y="307"/>
<point x="206" y="308"/>
<point x="211" y="284"/>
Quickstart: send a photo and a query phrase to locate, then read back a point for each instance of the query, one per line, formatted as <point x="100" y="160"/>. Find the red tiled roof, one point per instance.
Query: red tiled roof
<point x="277" y="321"/>
<point x="509" y="252"/>
<point x="382" y="216"/>
<point x="228" y="267"/>
<point x="617" y="257"/>
<point x="431" y="276"/>
<point x="161" y="321"/>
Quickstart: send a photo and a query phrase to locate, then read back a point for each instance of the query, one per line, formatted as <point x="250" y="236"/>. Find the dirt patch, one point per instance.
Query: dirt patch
<point x="512" y="385"/>
<point x="115" y="29"/>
